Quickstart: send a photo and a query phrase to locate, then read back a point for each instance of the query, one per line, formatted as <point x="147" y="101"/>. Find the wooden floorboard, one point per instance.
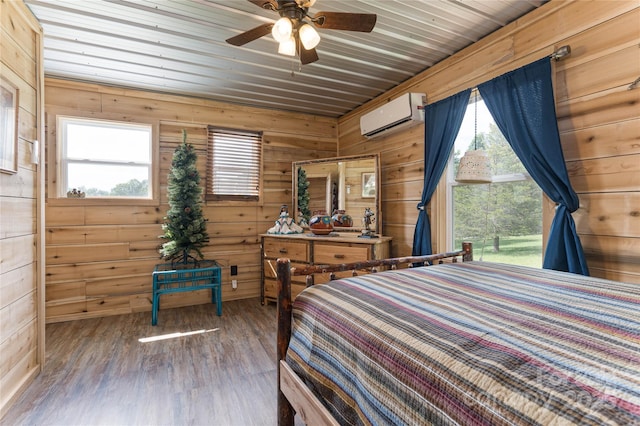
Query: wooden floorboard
<point x="98" y="372"/>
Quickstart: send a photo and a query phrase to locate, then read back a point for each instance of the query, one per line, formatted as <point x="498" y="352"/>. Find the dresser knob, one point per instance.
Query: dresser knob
<point x="283" y="250"/>
<point x="338" y="256"/>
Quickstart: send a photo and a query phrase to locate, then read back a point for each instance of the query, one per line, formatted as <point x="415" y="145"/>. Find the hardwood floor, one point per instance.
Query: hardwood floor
<point x="98" y="372"/>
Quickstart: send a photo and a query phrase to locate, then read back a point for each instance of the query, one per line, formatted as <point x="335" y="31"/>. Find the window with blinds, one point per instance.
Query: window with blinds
<point x="234" y="164"/>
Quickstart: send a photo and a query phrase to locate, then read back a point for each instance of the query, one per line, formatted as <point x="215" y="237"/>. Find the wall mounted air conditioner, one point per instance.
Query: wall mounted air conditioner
<point x="399" y="114"/>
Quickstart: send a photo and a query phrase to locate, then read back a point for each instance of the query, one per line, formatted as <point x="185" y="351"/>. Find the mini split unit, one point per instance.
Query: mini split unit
<point x="399" y="114"/>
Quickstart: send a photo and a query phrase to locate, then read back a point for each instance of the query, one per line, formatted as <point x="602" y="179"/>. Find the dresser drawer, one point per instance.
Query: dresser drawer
<point x="304" y="251"/>
<point x="293" y="250"/>
<point x="270" y="270"/>
<point x="327" y="253"/>
<point x="271" y="289"/>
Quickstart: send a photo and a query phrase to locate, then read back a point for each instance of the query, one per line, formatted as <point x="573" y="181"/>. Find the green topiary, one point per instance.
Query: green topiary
<point x="185" y="226"/>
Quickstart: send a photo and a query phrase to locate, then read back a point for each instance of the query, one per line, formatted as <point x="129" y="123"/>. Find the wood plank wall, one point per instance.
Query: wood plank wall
<point x="100" y="255"/>
<point x="20" y="324"/>
<point x="598" y="117"/>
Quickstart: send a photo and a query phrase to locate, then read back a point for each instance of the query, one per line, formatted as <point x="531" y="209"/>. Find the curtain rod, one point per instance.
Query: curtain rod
<point x="561" y="53"/>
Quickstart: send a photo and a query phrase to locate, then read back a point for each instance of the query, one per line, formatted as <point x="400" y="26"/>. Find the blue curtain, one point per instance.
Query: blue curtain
<point x="523" y="107"/>
<point x="441" y="125"/>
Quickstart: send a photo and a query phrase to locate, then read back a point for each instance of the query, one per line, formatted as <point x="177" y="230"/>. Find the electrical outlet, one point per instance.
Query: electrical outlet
<point x="234" y="284"/>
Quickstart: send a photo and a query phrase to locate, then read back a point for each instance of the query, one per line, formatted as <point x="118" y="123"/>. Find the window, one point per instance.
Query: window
<point x="234" y="165"/>
<point x="503" y="219"/>
<point x="104" y="159"/>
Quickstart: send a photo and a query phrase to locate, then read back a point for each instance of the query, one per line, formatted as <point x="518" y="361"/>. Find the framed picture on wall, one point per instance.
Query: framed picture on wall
<point x="368" y="185"/>
<point x="8" y="126"/>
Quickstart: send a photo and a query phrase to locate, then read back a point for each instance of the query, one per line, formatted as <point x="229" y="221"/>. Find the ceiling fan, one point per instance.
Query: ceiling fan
<point x="294" y="31"/>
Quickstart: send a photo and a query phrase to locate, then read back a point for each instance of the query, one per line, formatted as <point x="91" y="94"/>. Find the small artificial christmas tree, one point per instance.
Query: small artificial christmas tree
<point x="184" y="227"/>
<point x="303" y="195"/>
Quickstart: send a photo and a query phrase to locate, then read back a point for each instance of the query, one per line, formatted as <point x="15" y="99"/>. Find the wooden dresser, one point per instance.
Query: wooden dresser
<point x="308" y="249"/>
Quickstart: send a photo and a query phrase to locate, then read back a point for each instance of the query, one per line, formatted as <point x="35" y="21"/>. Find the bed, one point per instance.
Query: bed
<point x="470" y="343"/>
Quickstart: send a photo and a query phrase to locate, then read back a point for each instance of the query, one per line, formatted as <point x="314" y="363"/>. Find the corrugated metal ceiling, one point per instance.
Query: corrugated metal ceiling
<point x="178" y="46"/>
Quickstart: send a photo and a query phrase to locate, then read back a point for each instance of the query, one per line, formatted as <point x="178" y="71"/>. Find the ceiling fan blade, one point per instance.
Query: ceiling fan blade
<point x="307" y="56"/>
<point x="252" y="34"/>
<point x="266" y="4"/>
<point x="345" y="21"/>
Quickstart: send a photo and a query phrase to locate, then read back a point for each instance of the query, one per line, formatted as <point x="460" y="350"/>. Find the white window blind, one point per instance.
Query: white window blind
<point x="234" y="164"/>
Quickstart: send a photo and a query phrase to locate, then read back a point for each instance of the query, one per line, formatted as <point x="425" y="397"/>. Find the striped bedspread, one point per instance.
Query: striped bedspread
<point x="472" y="343"/>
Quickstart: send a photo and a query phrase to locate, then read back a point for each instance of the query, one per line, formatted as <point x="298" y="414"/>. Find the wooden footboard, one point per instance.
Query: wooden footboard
<point x="302" y="400"/>
<point x="293" y="396"/>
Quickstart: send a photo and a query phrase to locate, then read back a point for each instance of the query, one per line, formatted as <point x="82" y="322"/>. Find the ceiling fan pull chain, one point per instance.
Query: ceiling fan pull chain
<point x="295" y="61"/>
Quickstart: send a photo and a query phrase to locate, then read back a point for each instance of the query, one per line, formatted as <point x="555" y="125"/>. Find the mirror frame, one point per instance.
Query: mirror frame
<point x="357" y="226"/>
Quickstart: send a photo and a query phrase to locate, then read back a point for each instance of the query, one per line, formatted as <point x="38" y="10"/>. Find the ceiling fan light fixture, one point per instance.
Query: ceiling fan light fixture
<point x="287" y="47"/>
<point x="296" y="22"/>
<point x="282" y="30"/>
<point x="308" y="36"/>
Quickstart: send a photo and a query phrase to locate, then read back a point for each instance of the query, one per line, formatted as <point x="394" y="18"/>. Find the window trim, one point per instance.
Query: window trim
<point x="234" y="199"/>
<point x="57" y="196"/>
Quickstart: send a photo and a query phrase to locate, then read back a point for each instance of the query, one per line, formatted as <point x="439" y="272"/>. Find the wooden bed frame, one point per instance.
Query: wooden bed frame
<point x="293" y="395"/>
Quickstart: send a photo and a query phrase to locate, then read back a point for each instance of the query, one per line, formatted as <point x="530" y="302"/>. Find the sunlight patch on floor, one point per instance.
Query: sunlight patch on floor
<point x="174" y="335"/>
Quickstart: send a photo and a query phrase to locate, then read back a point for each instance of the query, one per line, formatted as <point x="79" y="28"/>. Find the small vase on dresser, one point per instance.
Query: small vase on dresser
<point x="320" y="223"/>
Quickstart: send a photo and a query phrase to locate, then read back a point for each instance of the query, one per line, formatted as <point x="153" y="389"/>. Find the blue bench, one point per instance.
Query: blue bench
<point x="176" y="278"/>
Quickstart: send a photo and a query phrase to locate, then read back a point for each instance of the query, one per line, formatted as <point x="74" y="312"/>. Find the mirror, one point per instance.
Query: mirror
<point x="342" y="183"/>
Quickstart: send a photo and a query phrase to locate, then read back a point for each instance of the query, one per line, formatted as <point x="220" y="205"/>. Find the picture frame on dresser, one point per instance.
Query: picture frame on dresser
<point x="9" y="106"/>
